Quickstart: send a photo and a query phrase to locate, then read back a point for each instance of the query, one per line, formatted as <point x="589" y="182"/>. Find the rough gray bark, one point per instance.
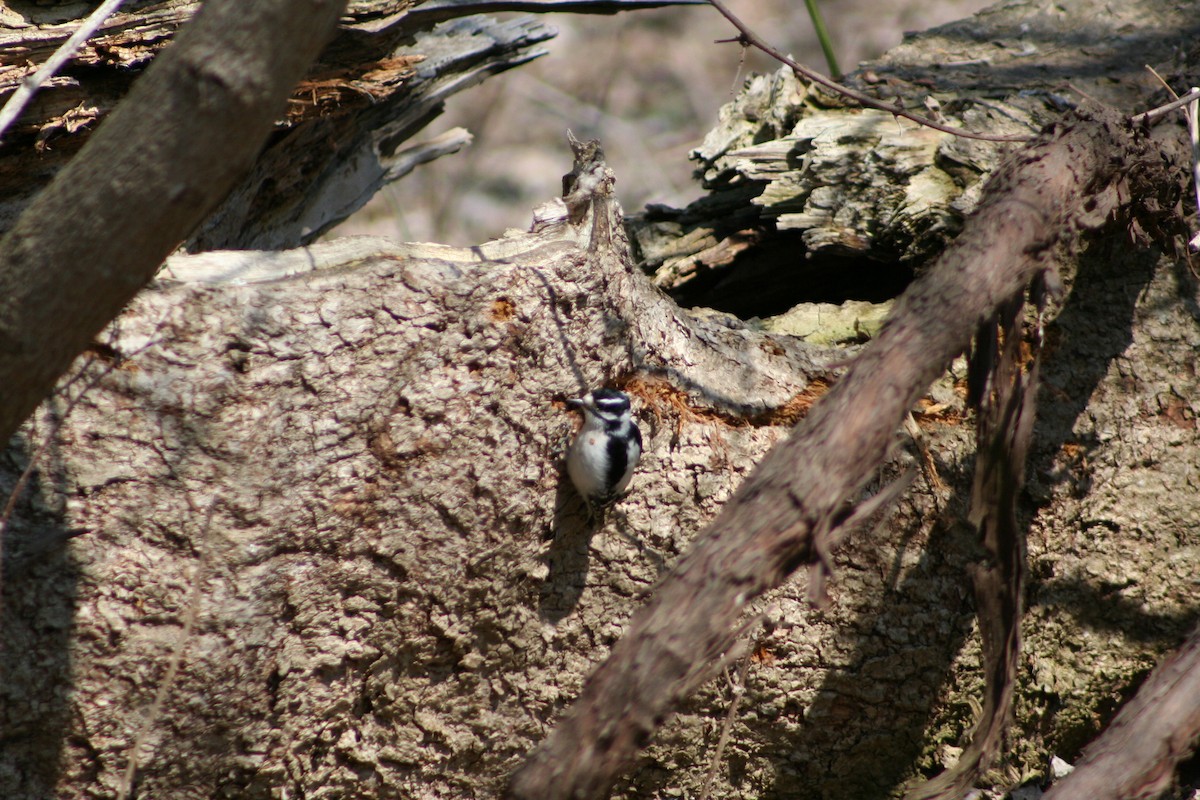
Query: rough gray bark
<point x="397" y="586"/>
<point x="376" y="605"/>
<point x="346" y="478"/>
<point x="97" y="234"/>
<point x="797" y="505"/>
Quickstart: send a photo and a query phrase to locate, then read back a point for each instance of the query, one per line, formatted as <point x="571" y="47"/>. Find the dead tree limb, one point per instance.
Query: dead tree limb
<point x="790" y="510"/>
<point x="1137" y="754"/>
<point x="347" y="131"/>
<point x="1004" y="390"/>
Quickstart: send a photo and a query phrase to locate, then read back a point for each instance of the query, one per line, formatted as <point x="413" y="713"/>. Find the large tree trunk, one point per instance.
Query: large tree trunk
<point x="350" y="481"/>
<point x="309" y="534"/>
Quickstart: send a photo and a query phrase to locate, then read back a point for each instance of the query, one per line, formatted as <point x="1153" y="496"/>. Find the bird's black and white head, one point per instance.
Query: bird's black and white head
<point x="605" y="407"/>
<point x="606" y="450"/>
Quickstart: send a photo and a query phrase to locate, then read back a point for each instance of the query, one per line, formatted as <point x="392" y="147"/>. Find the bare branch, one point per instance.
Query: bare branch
<point x="1162" y="110"/>
<point x="792" y="507"/>
<point x="749" y="37"/>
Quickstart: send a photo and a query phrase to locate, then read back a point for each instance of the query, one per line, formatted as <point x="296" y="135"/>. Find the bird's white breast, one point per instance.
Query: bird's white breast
<point x="588" y="463"/>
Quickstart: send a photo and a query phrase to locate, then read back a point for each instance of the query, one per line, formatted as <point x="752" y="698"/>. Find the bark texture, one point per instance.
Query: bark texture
<point x="310" y="534"/>
<point x="796" y="507"/>
<point x="100" y="231"/>
<point x="396" y="587"/>
<point x="348" y="127"/>
<point x="341" y="478"/>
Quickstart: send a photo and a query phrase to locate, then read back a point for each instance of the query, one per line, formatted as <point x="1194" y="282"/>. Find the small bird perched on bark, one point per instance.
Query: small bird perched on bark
<point x="604" y="454"/>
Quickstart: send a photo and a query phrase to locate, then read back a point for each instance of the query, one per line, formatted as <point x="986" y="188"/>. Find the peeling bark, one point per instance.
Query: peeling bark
<point x="332" y="496"/>
<point x="1004" y="386"/>
<point x="348" y="126"/>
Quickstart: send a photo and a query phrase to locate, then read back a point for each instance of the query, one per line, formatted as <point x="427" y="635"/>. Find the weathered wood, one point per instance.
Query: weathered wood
<point x="88" y="242"/>
<point x="813" y="185"/>
<point x="1138" y="752"/>
<point x="384" y="77"/>
<point x="790" y="512"/>
<point x="343" y="149"/>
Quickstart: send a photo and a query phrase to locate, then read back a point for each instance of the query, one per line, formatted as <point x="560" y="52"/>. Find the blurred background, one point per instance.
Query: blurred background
<point x="648" y="84"/>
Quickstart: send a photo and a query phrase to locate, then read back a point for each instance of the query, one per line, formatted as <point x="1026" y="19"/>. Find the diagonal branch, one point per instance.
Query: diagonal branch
<point x="795" y="503"/>
<point x="1137" y="754"/>
<point x="98" y="232"/>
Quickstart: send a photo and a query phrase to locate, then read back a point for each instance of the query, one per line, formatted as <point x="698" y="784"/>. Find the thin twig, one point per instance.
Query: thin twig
<point x="1154" y="113"/>
<point x="738" y="689"/>
<point x="751" y="38"/>
<point x="24" y="93"/>
<point x="190" y="613"/>
<point x="1192" y="111"/>
<point x="1162" y="81"/>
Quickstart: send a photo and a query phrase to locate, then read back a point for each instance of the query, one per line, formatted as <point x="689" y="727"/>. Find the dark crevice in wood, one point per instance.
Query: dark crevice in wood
<point x="776" y="276"/>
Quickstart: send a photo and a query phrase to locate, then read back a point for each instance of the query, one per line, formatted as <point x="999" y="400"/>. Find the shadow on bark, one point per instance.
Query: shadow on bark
<point x="36" y="628"/>
<point x="567" y="556"/>
<point x="898" y="713"/>
<point x="1094" y="328"/>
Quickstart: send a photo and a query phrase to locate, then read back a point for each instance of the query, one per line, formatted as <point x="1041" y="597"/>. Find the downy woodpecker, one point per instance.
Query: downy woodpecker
<point x="604" y="454"/>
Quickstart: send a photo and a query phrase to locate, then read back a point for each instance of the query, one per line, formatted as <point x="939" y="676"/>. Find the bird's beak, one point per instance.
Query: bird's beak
<point x="584" y="403"/>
